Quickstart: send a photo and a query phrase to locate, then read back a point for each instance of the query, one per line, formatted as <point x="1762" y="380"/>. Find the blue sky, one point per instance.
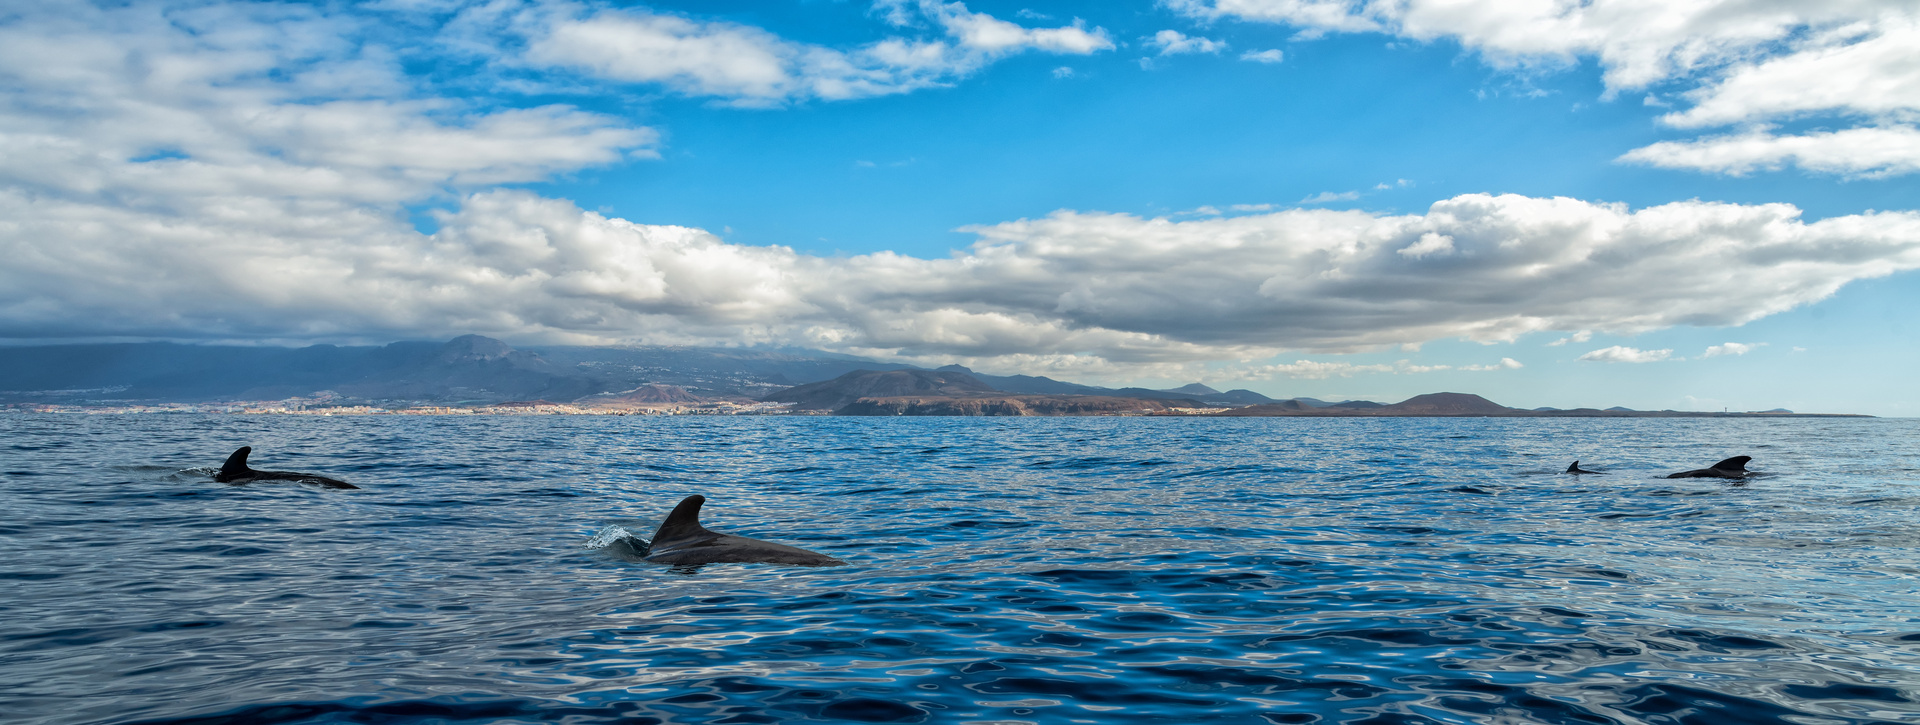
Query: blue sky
<point x="1694" y="204"/>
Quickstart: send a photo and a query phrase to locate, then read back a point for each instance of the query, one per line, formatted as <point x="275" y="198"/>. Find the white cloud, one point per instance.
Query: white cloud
<point x="1310" y="370"/>
<point x="1269" y="56"/>
<point x="1315" y="370"/>
<point x="1581" y="336"/>
<point x="1063" y="72"/>
<point x="1638" y="42"/>
<point x="1732" y="348"/>
<point x="1331" y="196"/>
<point x="1251" y="207"/>
<point x="750" y="66"/>
<point x="1748" y="62"/>
<point x="176" y="110"/>
<point x="1620" y="354"/>
<point x="1173" y="42"/>
<point x="1855" y="152"/>
<point x="1864" y="68"/>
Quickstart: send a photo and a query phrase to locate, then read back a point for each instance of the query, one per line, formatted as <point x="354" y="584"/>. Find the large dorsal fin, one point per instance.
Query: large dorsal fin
<point x="1573" y="468"/>
<point x="683" y="523"/>
<point x="236" y="465"/>
<point x="1736" y="463"/>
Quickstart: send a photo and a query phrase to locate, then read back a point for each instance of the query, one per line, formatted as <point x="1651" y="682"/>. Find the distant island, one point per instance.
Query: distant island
<point x="473" y="374"/>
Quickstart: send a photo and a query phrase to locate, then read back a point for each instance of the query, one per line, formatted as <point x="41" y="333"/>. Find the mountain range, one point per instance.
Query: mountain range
<point x="478" y="370"/>
<point x="471" y="369"/>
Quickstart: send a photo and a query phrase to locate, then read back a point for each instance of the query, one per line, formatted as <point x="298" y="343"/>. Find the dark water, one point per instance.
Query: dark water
<point x="1090" y="570"/>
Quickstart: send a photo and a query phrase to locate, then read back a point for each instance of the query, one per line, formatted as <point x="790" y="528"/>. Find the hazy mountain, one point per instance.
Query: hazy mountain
<point x="1029" y="383"/>
<point x="654" y="394"/>
<point x="1193" y="390"/>
<point x="476" y="369"/>
<point x="470" y="368"/>
<point x="1238" y="396"/>
<point x="839" y="392"/>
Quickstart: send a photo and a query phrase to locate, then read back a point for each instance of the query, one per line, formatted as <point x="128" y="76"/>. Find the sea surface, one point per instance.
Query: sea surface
<point x="1066" y="570"/>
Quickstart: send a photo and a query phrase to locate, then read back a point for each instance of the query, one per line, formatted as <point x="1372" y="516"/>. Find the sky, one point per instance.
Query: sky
<point x="1685" y="204"/>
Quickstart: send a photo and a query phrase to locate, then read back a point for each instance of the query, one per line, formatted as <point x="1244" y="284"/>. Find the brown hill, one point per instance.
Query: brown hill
<point x="841" y="391"/>
<point x="654" y="394"/>
<point x="1441" y="404"/>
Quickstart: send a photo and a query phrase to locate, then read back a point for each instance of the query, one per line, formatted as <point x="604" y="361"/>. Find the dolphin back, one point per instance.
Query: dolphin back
<point x="236" y="466"/>
<point x="683" y="524"/>
<point x="682" y="541"/>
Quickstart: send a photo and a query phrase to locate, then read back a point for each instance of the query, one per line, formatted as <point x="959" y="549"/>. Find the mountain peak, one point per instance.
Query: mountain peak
<point x="1449" y="404"/>
<point x="471" y="348"/>
<point x="1193" y="389"/>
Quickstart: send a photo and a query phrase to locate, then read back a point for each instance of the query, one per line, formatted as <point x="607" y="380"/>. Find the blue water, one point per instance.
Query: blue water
<point x="1077" y="570"/>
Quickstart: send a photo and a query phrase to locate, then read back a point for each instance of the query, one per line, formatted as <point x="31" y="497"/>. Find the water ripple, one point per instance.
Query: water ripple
<point x="999" y="571"/>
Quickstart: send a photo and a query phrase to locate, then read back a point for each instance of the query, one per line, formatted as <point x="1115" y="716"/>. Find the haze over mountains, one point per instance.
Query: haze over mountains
<point x="467" y="369"/>
<point x="477" y="370"/>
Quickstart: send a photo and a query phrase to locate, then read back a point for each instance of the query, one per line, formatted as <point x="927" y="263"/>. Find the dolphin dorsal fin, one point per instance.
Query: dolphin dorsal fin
<point x="1574" y="467"/>
<point x="683" y="523"/>
<point x="1736" y="463"/>
<point x="236" y="464"/>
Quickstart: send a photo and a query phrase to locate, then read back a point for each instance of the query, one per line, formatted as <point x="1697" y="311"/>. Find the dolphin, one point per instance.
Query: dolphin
<point x="1735" y="467"/>
<point x="1576" y="470"/>
<point x="682" y="541"/>
<point x="236" y="471"/>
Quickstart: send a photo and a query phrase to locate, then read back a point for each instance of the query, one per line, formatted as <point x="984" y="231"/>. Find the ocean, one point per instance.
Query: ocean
<point x="1025" y="570"/>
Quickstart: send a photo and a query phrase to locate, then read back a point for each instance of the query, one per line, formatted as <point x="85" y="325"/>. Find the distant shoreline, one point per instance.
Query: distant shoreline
<point x="441" y="411"/>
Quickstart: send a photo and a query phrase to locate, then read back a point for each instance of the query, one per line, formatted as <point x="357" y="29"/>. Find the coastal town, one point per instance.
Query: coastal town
<point x="302" y="406"/>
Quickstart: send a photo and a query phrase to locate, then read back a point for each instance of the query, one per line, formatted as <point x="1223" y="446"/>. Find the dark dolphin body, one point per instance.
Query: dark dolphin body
<point x="1576" y="469"/>
<point x="1735" y="467"/>
<point x="236" y="471"/>
<point x="682" y="541"/>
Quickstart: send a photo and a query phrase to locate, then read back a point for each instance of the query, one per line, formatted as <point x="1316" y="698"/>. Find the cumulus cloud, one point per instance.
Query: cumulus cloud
<point x="1093" y="287"/>
<point x="1621" y="354"/>
<point x="1732" y="348"/>
<point x="1173" y="42"/>
<point x="1748" y="62"/>
<point x="750" y="66"/>
<point x="184" y="110"/>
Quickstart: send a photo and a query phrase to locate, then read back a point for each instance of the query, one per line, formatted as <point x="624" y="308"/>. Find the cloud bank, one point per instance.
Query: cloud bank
<point x="1095" y="287"/>
<point x="247" y="171"/>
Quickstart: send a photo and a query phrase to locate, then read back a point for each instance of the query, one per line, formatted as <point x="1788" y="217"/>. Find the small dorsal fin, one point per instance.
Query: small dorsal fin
<point x="683" y="523"/>
<point x="1574" y="467"/>
<point x="1736" y="463"/>
<point x="236" y="465"/>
